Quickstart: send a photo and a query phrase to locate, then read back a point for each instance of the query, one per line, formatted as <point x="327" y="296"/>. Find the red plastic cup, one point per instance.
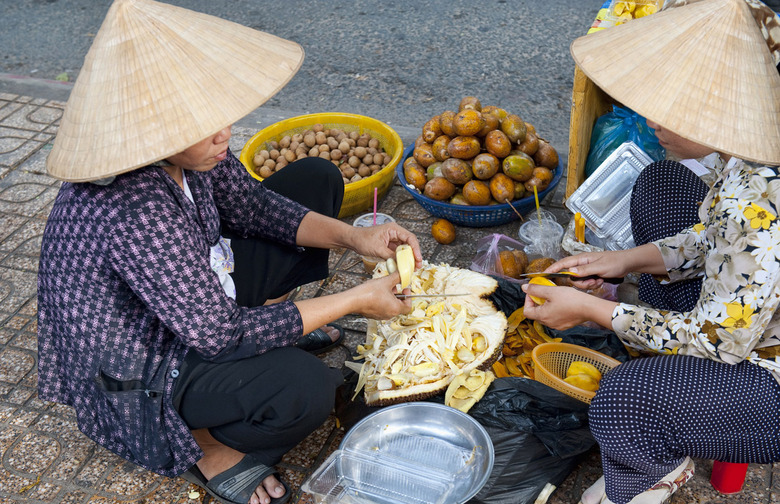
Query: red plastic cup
<point x="728" y="477"/>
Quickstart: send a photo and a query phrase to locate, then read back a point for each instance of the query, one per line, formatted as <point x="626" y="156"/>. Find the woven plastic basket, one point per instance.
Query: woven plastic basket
<point x="551" y="361"/>
<point x="475" y="216"/>
<point x="358" y="196"/>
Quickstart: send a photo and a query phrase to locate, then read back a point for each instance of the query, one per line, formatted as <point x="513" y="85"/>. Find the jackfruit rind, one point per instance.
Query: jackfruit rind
<point x="457" y="335"/>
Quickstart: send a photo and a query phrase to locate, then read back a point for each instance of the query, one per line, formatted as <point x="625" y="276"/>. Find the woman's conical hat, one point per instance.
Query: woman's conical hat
<point x="702" y="71"/>
<point x="159" y="79"/>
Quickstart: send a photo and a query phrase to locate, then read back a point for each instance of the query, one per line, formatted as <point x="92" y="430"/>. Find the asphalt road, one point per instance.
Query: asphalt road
<point x="399" y="61"/>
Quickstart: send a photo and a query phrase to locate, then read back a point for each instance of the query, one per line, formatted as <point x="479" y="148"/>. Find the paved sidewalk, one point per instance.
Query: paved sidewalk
<point x="43" y="456"/>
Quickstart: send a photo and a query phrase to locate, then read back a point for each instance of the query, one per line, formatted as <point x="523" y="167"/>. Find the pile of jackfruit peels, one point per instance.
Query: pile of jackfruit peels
<point x="522" y="336"/>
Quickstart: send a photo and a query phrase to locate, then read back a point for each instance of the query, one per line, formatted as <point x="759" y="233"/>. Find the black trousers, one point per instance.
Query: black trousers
<point x="267" y="270"/>
<point x="664" y="201"/>
<point x="267" y="404"/>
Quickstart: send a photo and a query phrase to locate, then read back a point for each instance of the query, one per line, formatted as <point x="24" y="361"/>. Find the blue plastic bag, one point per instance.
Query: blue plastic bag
<point x="613" y="129"/>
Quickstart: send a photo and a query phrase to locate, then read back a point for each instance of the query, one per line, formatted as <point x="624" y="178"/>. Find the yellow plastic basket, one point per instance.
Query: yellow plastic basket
<point x="358" y="196"/>
<point x="551" y="361"/>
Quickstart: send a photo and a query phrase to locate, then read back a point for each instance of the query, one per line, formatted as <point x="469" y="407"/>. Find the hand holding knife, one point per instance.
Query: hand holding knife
<point x="572" y="276"/>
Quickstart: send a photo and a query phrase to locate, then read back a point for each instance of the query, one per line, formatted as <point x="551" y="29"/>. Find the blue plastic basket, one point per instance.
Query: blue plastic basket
<point x="475" y="216"/>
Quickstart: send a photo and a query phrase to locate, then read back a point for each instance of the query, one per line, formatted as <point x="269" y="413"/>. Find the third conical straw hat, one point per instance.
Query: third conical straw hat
<point x="702" y="71"/>
<point x="158" y="79"/>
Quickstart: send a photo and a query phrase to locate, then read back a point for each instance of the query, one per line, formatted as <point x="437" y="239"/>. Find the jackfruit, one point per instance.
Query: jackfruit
<point x="582" y="367"/>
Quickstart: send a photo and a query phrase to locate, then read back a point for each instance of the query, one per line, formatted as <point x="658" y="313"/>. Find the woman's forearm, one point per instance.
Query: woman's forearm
<point x="646" y="259"/>
<point x="317" y="230"/>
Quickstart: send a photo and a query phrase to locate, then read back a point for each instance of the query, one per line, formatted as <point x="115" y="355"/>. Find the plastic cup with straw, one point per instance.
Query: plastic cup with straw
<point x="373" y="218"/>
<point x="538" y="212"/>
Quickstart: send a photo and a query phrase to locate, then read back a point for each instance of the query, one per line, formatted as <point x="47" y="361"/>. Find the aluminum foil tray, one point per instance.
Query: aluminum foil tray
<point x="604" y="198"/>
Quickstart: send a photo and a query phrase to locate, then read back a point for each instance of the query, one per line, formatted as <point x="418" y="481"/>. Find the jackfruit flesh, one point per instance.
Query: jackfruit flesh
<point x="416" y="356"/>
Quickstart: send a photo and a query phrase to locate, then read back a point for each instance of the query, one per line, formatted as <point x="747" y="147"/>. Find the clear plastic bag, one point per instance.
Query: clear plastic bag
<point x="486" y="259"/>
<point x="615" y="128"/>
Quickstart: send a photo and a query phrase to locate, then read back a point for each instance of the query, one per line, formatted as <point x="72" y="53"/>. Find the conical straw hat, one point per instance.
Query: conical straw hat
<point x="702" y="71"/>
<point x="158" y="79"/>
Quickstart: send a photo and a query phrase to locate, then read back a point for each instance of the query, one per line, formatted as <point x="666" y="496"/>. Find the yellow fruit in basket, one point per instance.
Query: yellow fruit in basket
<point x="470" y="102"/>
<point x="530" y="145"/>
<point x="415" y="174"/>
<point x="439" y="188"/>
<point x="477" y="192"/>
<point x="485" y="165"/>
<point x="519" y="166"/>
<point x="546" y="155"/>
<point x="582" y="367"/>
<point x="456" y="171"/>
<point x="583" y="381"/>
<point x="540" y="281"/>
<point x="498" y="143"/>
<point x="432" y="129"/>
<point x="439" y="147"/>
<point x="468" y="122"/>
<point x="464" y="147"/>
<point x="502" y="188"/>
<point x="423" y="154"/>
<point x="445" y="122"/>
<point x="492" y="123"/>
<point x="514" y="128"/>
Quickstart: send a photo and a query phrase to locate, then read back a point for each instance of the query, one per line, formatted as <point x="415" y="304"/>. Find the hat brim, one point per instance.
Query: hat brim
<point x="157" y="80"/>
<point x="702" y="71"/>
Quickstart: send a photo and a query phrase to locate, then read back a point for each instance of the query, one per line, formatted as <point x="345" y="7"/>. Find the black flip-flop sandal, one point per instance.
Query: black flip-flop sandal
<point x="237" y="484"/>
<point x="318" y="341"/>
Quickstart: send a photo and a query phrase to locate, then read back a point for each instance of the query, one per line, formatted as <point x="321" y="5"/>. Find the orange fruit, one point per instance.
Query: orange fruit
<point x="443" y="231"/>
<point x="477" y="192"/>
<point x="509" y="266"/>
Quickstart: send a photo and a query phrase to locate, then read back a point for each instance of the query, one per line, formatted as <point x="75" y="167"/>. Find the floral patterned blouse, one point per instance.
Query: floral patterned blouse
<point x="736" y="250"/>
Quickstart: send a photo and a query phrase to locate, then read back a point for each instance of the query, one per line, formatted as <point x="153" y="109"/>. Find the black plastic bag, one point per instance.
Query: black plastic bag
<point x="538" y="434"/>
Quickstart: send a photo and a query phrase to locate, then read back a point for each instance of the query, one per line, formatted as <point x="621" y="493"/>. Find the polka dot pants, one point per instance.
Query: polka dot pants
<point x="665" y="200"/>
<point x="649" y="413"/>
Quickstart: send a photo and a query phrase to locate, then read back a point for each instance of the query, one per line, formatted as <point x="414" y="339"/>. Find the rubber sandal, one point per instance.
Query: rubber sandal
<point x="318" y="341"/>
<point x="656" y="494"/>
<point x="237" y="484"/>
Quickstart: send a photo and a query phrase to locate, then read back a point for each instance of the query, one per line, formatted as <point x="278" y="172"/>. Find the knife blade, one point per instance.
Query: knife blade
<point x="571" y="275"/>
<point x="406" y="296"/>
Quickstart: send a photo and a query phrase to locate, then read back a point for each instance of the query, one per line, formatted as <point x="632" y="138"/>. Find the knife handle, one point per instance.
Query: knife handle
<point x="615" y="280"/>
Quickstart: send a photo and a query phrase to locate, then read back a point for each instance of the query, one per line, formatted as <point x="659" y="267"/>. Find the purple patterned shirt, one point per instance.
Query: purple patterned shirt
<point x="125" y="288"/>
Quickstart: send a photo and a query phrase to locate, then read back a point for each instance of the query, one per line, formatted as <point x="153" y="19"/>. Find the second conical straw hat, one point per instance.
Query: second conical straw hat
<point x="158" y="79"/>
<point x="702" y="71"/>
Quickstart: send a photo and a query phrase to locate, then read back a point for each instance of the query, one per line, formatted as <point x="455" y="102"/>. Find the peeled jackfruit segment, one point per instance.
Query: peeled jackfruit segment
<point x="583" y="381"/>
<point x="404" y="258"/>
<point x="540" y="281"/>
<point x="582" y="367"/>
<point x="424" y="369"/>
<point x="624" y="8"/>
<point x="645" y="10"/>
<point x="466" y="389"/>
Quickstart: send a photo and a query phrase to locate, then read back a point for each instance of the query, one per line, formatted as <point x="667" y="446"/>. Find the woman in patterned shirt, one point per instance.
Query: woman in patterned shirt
<point x="708" y="384"/>
<point x="142" y="327"/>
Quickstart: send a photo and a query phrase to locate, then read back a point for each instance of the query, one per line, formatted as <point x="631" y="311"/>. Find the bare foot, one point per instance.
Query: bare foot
<point x="218" y="458"/>
<point x="331" y="331"/>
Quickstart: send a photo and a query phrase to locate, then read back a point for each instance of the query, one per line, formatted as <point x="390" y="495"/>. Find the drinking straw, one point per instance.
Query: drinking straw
<point x="538" y="211"/>
<point x="578" y="227"/>
<point x="375" y="191"/>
